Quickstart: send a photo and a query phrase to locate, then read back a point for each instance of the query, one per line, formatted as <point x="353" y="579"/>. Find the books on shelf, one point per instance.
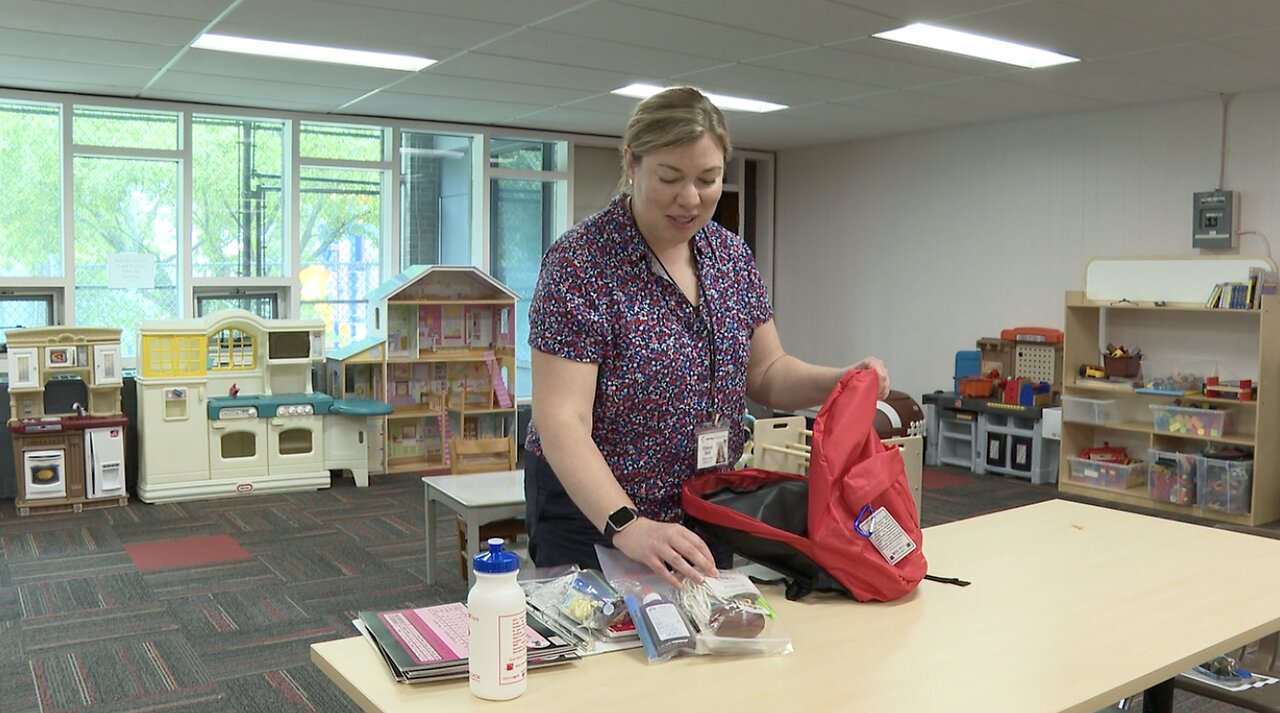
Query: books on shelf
<point x="1244" y="295"/>
<point x="430" y="643"/>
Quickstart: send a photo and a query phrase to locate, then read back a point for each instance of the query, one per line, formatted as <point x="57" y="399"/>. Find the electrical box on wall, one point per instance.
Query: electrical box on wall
<point x="1214" y="215"/>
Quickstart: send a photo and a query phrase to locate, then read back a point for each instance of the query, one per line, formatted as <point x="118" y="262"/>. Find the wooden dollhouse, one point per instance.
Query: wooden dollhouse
<point x="443" y="355"/>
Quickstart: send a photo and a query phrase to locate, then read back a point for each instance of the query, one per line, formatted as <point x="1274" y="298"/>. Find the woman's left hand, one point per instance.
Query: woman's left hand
<point x="882" y="372"/>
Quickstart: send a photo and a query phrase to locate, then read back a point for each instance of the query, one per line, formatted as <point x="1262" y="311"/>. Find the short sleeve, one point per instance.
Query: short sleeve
<point x="566" y="317"/>
<point x="755" y="296"/>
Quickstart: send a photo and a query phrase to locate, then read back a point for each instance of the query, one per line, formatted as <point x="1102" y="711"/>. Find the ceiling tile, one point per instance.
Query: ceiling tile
<point x="1063" y="28"/>
<point x="189" y="9"/>
<point x="773" y="84"/>
<point x="898" y="52"/>
<point x="252" y="92"/>
<point x="1101" y="82"/>
<point x="1191" y="19"/>
<point x="416" y="106"/>
<point x="32" y="73"/>
<point x="524" y="12"/>
<point x="429" y="83"/>
<point x="923" y="10"/>
<point x="559" y="48"/>
<point x="479" y="65"/>
<point x="97" y="23"/>
<point x="1201" y="66"/>
<point x="805" y="21"/>
<point x="338" y="25"/>
<point x="42" y="45"/>
<point x="940" y="108"/>
<point x="625" y="23"/>
<point x="229" y="64"/>
<point x="858" y="68"/>
<point x="1021" y="99"/>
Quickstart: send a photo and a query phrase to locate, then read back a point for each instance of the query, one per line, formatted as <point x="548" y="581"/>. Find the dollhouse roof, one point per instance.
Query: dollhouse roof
<point x="439" y="282"/>
<point x="356" y="348"/>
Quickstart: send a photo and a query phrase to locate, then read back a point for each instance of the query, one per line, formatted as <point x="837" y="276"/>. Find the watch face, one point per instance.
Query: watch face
<point x="622" y="517"/>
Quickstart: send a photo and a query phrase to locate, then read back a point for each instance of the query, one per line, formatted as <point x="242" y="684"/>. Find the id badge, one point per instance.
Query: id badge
<point x="713" y="444"/>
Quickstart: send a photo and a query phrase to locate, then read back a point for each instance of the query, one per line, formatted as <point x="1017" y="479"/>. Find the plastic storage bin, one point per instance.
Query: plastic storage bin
<point x="1224" y="485"/>
<point x="1081" y="410"/>
<point x="1186" y="421"/>
<point x="1112" y="476"/>
<point x="1171" y="477"/>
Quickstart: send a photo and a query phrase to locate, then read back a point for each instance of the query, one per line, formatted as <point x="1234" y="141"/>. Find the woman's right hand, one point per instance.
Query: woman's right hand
<point x="671" y="550"/>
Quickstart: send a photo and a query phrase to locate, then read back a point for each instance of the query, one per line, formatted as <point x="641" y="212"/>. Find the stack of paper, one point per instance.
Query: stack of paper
<point x="430" y="643"/>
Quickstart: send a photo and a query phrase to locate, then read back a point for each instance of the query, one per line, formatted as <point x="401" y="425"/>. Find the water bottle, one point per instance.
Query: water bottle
<point x="498" y="655"/>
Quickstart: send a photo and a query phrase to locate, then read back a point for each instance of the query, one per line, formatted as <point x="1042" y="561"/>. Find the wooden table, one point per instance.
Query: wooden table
<point x="480" y="498"/>
<point x="1072" y="607"/>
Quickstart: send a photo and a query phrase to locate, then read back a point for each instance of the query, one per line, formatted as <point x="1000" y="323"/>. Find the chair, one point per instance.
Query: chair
<point x="482" y="455"/>
<point x="782" y="444"/>
<point x="1258" y="657"/>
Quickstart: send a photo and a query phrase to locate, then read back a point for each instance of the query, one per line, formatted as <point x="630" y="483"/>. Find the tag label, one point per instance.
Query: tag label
<point x="713" y="446"/>
<point x="888" y="537"/>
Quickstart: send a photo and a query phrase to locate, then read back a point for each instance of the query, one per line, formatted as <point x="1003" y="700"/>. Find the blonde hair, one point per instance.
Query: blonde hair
<point x="673" y="117"/>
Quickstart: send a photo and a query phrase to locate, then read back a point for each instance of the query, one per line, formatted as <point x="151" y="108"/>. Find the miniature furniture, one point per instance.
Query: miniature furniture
<point x="988" y="436"/>
<point x="478" y="498"/>
<point x="225" y="407"/>
<point x="1242" y="343"/>
<point x="481" y="456"/>
<point x="1038" y="584"/>
<point x="72" y="457"/>
<point x="782" y="444"/>
<point x="441" y="351"/>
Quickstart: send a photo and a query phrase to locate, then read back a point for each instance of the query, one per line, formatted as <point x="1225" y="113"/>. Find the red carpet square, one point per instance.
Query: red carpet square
<point x="185" y="552"/>
<point x="932" y="479"/>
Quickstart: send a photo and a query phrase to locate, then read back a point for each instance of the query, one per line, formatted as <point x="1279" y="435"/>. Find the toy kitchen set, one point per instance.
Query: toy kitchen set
<point x="68" y="457"/>
<point x="225" y="407"/>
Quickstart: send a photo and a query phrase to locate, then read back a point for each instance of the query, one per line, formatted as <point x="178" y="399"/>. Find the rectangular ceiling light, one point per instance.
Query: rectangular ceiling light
<point x="644" y="91"/>
<point x="941" y="38"/>
<point x="311" y="53"/>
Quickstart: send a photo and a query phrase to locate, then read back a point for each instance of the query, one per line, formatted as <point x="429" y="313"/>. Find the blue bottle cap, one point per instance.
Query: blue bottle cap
<point x="496" y="560"/>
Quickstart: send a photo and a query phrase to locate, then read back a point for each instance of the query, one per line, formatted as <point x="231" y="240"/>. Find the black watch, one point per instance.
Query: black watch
<point x="618" y="520"/>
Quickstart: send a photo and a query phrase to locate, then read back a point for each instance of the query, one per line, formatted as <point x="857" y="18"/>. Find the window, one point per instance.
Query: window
<point x="19" y="311"/>
<point x="266" y="305"/>
<point x="237" y="201"/>
<point x="126" y="212"/>
<point x="528" y="205"/>
<point x="435" y="199"/>
<point x="341" y="224"/>
<point x="31" y="240"/>
<point x="342" y="142"/>
<point x="125" y="128"/>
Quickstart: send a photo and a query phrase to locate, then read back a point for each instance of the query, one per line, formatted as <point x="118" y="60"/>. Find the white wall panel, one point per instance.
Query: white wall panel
<point x="913" y="247"/>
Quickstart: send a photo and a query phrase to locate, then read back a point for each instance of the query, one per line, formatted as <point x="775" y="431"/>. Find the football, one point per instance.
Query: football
<point x="898" y="415"/>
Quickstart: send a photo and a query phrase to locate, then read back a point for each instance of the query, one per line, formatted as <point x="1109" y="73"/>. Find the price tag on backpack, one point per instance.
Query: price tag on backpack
<point x="889" y="538"/>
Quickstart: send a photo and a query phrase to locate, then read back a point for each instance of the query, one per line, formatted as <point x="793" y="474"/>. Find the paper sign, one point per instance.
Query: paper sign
<point x="131" y="270"/>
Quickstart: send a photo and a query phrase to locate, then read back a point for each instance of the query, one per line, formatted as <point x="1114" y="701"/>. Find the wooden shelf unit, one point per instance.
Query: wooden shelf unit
<point x="1089" y="324"/>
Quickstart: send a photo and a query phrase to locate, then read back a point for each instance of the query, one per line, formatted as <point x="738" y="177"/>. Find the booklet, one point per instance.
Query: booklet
<point x="430" y="643"/>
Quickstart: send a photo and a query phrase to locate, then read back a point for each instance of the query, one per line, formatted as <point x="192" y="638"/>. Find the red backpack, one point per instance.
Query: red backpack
<point x="817" y="531"/>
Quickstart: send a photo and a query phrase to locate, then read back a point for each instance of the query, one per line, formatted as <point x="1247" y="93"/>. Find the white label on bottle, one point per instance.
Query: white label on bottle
<point x="667" y="624"/>
<point x="513" y="659"/>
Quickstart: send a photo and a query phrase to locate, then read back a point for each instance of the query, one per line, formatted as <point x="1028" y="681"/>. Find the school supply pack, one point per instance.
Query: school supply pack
<point x="851" y="525"/>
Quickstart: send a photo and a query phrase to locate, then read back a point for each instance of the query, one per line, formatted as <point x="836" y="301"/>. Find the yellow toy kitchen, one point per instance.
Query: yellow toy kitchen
<point x="237" y="387"/>
<point x="68" y="456"/>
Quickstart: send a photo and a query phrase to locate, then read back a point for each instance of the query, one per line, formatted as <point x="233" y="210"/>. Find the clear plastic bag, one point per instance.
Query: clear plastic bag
<point x="732" y="616"/>
<point x="660" y="622"/>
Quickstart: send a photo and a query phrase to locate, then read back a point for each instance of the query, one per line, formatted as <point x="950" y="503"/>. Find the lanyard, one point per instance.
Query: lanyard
<point x="711" y="332"/>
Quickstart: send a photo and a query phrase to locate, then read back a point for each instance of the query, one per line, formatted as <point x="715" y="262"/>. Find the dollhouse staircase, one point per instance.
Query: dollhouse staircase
<point x="499" y="389"/>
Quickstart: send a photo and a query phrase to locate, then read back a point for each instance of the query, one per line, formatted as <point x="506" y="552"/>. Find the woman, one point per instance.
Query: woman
<point x="650" y="326"/>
